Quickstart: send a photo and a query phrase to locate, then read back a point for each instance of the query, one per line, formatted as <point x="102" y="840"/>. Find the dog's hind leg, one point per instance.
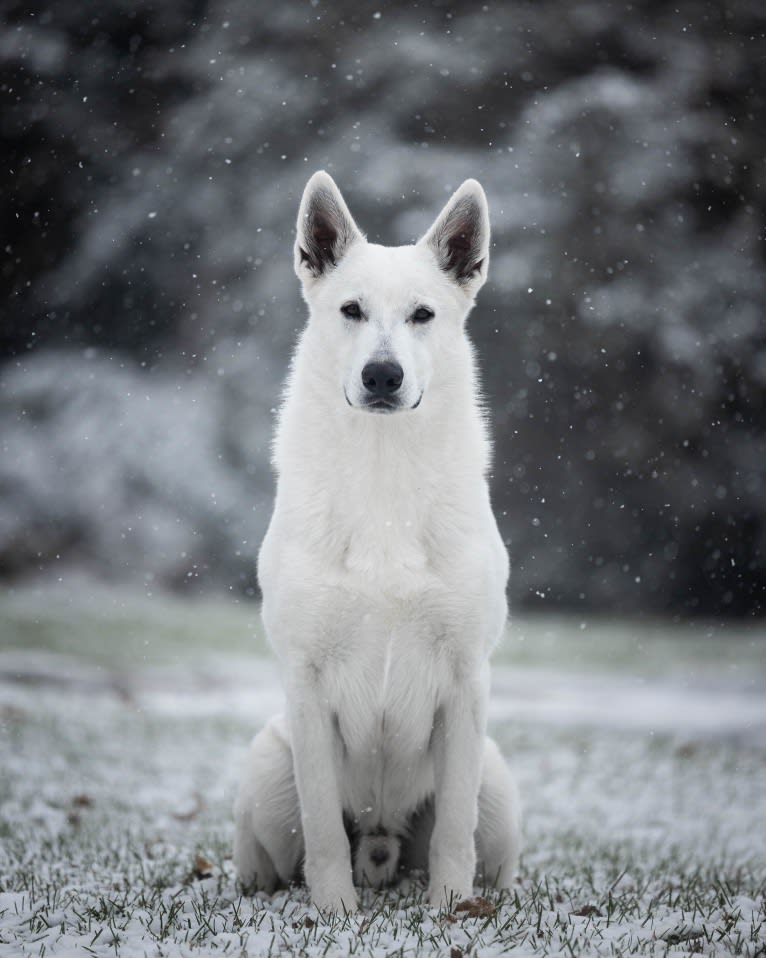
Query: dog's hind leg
<point x="498" y="836"/>
<point x="268" y="838"/>
<point x="255" y="868"/>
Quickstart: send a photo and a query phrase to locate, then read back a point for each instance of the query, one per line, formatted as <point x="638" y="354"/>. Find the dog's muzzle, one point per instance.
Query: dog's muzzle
<point x="381" y="381"/>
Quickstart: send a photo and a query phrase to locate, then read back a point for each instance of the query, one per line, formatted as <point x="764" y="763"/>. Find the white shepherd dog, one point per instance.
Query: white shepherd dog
<point x="383" y="576"/>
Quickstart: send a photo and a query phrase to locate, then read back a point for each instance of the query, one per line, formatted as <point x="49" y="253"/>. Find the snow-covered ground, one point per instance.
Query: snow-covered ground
<point x="640" y="750"/>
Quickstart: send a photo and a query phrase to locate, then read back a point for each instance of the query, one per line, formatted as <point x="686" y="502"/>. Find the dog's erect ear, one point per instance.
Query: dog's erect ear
<point x="460" y="237"/>
<point x="325" y="228"/>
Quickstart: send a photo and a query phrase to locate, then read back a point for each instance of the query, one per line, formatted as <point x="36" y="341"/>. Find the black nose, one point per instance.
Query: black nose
<point x="382" y="379"/>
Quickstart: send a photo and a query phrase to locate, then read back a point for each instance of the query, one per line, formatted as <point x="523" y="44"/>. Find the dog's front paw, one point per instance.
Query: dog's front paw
<point x="451" y="877"/>
<point x="447" y="894"/>
<point x="332" y="889"/>
<point x="340" y="900"/>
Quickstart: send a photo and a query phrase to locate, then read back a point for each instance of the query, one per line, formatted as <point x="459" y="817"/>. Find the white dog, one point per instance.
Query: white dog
<point x="383" y="576"/>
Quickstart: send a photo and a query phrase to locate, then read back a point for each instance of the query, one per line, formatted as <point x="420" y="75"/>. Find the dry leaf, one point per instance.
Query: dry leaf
<point x="202" y="867"/>
<point x="477" y="908"/>
<point x="587" y="911"/>
<point x="198" y="807"/>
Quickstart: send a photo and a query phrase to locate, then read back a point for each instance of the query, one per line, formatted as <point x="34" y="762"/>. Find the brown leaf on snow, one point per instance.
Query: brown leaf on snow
<point x="476" y="908"/>
<point x="587" y="911"/>
<point x="202" y="867"/>
<point x="193" y="812"/>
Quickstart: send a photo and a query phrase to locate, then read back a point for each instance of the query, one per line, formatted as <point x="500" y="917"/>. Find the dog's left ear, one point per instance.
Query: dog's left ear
<point x="325" y="228"/>
<point x="459" y="237"/>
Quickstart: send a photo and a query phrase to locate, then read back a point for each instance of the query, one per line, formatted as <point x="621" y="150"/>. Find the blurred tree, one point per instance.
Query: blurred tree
<point x="154" y="159"/>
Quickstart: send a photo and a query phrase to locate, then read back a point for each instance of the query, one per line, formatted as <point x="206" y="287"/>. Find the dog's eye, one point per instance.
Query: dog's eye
<point x="351" y="310"/>
<point x="422" y="314"/>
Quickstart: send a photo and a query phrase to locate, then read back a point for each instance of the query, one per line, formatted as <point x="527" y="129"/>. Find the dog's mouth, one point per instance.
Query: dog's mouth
<point x="383" y="406"/>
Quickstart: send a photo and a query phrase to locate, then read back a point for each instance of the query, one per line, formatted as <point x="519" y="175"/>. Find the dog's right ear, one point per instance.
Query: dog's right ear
<point x="325" y="228"/>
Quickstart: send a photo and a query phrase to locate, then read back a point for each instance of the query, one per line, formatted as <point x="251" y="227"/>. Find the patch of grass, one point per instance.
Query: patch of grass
<point x="114" y="628"/>
<point x="115" y="812"/>
<point x="644" y="647"/>
<point x="701" y="910"/>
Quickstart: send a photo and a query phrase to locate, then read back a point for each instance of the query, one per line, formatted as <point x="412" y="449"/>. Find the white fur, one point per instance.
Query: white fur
<point x="383" y="578"/>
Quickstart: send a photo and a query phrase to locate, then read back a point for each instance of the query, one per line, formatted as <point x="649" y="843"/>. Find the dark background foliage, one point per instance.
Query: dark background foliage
<point x="153" y="158"/>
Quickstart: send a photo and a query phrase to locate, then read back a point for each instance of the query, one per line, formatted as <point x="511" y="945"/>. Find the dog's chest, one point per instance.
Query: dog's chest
<point x="384" y="707"/>
<point x="383" y="700"/>
<point x="382" y="529"/>
<point x="388" y="547"/>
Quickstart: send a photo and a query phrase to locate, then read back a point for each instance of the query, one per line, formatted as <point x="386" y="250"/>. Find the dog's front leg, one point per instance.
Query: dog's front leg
<point x="315" y="754"/>
<point x="457" y="744"/>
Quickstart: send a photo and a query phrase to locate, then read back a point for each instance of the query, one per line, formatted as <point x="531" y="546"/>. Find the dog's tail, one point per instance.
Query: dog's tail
<point x="376" y="857"/>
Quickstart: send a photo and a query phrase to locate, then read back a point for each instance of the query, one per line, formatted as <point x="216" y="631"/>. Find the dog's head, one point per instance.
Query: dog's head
<point x="389" y="315"/>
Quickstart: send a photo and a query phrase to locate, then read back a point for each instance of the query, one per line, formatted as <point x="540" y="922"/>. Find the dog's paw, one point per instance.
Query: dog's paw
<point x="332" y="888"/>
<point x="451" y="879"/>
<point x="447" y="886"/>
<point x="340" y="901"/>
<point x="444" y="897"/>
